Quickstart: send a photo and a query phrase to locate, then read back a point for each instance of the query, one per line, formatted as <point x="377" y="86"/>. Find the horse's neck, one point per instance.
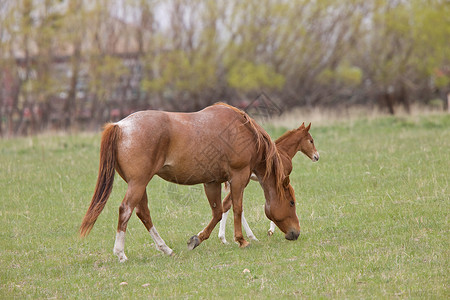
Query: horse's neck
<point x="287" y="163"/>
<point x="289" y="145"/>
<point x="268" y="185"/>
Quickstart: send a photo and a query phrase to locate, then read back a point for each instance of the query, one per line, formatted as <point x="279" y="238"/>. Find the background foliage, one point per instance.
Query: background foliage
<point x="75" y="62"/>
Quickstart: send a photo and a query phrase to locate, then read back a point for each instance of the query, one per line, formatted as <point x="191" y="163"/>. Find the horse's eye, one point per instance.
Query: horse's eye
<point x="292" y="203"/>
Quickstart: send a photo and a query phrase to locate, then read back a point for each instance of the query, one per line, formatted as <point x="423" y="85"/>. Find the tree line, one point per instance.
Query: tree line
<point x="80" y="63"/>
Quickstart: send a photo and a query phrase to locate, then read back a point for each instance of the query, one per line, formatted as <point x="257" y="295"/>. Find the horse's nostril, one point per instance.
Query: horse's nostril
<point x="316" y="157"/>
<point x="292" y="235"/>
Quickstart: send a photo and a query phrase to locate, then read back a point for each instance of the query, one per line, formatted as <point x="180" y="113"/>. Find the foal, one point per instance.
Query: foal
<point x="288" y="145"/>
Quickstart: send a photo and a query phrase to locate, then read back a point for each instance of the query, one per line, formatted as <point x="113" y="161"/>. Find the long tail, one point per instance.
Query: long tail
<point x="105" y="179"/>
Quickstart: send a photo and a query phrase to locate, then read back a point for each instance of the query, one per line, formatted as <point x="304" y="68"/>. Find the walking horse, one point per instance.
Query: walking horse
<point x="287" y="145"/>
<point x="217" y="144"/>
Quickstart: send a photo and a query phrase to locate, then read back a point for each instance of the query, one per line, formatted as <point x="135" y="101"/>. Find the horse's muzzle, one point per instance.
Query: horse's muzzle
<point x="316" y="157"/>
<point x="292" y="235"/>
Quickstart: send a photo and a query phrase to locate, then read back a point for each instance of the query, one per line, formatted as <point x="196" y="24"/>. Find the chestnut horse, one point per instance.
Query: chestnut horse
<point x="217" y="144"/>
<point x="288" y="145"/>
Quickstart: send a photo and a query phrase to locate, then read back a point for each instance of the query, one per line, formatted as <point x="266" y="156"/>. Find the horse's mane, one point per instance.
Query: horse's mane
<point x="264" y="143"/>
<point x="285" y="136"/>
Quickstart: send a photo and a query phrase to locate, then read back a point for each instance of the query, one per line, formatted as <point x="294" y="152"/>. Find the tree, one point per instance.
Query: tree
<point x="183" y="70"/>
<point x="404" y="45"/>
<point x="78" y="60"/>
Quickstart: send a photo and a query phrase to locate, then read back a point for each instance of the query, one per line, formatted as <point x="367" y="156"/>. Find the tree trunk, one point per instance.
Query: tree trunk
<point x="70" y="106"/>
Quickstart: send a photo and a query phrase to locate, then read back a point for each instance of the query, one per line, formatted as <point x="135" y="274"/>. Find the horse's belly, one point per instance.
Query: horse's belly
<point x="194" y="174"/>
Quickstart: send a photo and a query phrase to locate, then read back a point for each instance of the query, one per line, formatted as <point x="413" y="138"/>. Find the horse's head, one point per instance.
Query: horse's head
<point x="282" y="211"/>
<point x="306" y="144"/>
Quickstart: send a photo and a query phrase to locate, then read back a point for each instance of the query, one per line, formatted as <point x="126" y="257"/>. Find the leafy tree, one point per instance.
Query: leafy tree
<point x="186" y="54"/>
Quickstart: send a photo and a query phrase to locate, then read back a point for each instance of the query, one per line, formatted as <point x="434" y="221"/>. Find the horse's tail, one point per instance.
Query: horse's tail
<point x="105" y="179"/>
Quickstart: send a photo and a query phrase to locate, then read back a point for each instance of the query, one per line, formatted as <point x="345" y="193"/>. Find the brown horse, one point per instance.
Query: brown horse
<point x="218" y="144"/>
<point x="288" y="145"/>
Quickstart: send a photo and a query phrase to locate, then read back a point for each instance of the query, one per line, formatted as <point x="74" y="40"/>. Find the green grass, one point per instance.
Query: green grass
<point x="373" y="211"/>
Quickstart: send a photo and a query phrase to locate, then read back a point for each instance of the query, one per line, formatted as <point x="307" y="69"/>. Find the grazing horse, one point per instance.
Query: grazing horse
<point x="288" y="145"/>
<point x="217" y="144"/>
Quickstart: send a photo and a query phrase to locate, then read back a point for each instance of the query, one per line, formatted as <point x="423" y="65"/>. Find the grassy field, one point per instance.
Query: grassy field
<point x="374" y="215"/>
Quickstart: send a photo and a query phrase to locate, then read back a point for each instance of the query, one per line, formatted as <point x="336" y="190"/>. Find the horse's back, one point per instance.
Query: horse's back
<point x="186" y="148"/>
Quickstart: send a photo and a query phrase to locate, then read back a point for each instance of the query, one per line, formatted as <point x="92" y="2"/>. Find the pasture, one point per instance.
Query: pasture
<point x="373" y="211"/>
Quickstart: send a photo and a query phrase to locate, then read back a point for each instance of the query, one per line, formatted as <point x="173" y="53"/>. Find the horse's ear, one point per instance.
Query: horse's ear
<point x="302" y="126"/>
<point x="309" y="126"/>
<point x="286" y="181"/>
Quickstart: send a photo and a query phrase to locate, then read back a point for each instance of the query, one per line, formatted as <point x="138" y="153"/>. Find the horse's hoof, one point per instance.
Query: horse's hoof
<point x="243" y="244"/>
<point x="193" y="242"/>
<point x="269" y="232"/>
<point x="169" y="252"/>
<point x="253" y="238"/>
<point x="121" y="255"/>
<point x="122" y="258"/>
<point x="223" y="240"/>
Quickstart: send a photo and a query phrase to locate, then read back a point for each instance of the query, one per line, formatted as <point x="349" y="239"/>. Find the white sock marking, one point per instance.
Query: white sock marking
<point x="272" y="228"/>
<point x="247" y="229"/>
<point x="223" y="224"/>
<point x="119" y="246"/>
<point x="159" y="242"/>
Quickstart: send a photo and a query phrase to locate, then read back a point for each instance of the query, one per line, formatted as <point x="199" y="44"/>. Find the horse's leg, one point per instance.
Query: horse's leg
<point x="238" y="184"/>
<point x="226" y="204"/>
<point x="271" y="229"/>
<point x="133" y="196"/>
<point x="213" y="193"/>
<point x="143" y="213"/>
<point x="226" y="207"/>
<point x="222" y="226"/>
<point x="247" y="229"/>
